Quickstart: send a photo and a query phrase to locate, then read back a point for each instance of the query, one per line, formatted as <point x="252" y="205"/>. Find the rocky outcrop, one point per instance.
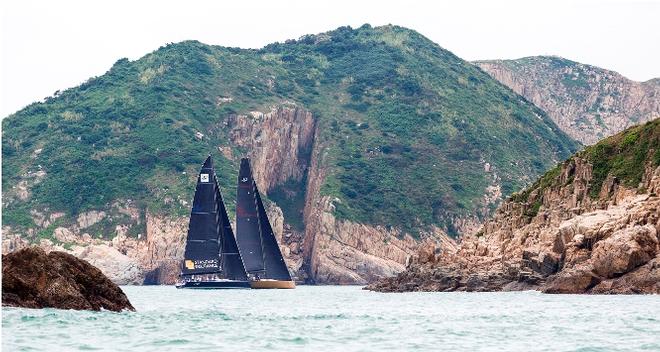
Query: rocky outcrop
<point x="557" y="237"/>
<point x="344" y="252"/>
<point x="90" y="218"/>
<point x="586" y="102"/>
<point x="31" y="278"/>
<point x="117" y="266"/>
<point x="155" y="259"/>
<point x="279" y="142"/>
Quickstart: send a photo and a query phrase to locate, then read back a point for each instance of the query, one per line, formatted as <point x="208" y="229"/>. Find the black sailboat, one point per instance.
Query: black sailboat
<point x="211" y="258"/>
<point x="259" y="249"/>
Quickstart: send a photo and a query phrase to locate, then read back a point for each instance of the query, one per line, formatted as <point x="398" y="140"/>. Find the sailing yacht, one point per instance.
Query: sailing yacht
<point x="211" y="259"/>
<point x="259" y="249"/>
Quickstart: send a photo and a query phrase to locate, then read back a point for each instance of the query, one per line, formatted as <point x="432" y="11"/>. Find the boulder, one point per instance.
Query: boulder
<point x="118" y="267"/>
<point x="32" y="278"/>
<point x="576" y="280"/>
<point x="643" y="280"/>
<point x="624" y="251"/>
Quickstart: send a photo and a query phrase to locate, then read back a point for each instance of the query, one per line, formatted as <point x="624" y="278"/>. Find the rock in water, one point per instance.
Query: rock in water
<point x="32" y="278"/>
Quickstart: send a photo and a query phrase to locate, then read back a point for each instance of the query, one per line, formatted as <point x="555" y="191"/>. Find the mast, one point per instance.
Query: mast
<point x="248" y="232"/>
<point x="203" y="242"/>
<point x="274" y="262"/>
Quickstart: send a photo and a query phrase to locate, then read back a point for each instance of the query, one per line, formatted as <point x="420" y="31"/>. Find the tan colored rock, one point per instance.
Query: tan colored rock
<point x="90" y="218"/>
<point x="574" y="244"/>
<point x="426" y="254"/>
<point x="65" y="235"/>
<point x="348" y="253"/>
<point x="118" y="267"/>
<point x="577" y="280"/>
<point x="645" y="280"/>
<point x="43" y="219"/>
<point x="275" y="140"/>
<point x="12" y="242"/>
<point x="624" y="251"/>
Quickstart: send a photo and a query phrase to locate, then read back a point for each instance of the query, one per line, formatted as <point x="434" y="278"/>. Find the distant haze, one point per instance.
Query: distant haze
<point x="54" y="45"/>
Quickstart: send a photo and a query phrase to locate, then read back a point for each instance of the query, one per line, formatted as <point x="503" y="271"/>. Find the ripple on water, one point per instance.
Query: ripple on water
<point x="347" y="319"/>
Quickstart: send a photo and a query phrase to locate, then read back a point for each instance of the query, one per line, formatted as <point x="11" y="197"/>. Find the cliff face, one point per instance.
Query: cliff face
<point x="566" y="234"/>
<point x="278" y="141"/>
<point x="587" y="102"/>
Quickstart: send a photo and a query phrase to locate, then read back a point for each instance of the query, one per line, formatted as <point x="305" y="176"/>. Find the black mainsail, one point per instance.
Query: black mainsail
<point x="248" y="231"/>
<point x="211" y="246"/>
<point x="259" y="248"/>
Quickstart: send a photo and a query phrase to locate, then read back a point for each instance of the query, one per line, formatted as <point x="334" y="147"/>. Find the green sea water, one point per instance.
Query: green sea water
<point x="336" y="318"/>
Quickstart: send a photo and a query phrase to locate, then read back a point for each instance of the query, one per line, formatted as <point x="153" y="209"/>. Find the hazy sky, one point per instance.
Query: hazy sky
<point x="55" y="44"/>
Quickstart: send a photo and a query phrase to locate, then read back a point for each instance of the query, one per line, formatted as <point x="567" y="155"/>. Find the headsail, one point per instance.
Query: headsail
<point x="248" y="232"/>
<point x="274" y="262"/>
<point x="230" y="258"/>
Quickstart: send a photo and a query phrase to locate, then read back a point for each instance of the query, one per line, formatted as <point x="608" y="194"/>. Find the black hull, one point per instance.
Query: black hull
<point x="211" y="285"/>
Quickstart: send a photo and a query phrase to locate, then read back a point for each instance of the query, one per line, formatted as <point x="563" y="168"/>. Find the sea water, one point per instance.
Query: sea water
<point x="335" y="318"/>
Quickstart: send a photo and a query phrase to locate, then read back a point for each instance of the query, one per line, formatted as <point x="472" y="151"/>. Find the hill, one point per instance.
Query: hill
<point x="587" y="102"/>
<point x="374" y="126"/>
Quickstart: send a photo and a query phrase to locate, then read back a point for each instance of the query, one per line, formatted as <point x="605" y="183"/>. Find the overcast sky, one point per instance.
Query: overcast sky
<point x="55" y="44"/>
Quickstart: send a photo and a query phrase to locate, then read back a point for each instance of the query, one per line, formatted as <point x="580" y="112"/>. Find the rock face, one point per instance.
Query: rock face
<point x="587" y="102"/>
<point x="557" y="237"/>
<point x="278" y="141"/>
<point x="152" y="259"/>
<point x="31" y="278"/>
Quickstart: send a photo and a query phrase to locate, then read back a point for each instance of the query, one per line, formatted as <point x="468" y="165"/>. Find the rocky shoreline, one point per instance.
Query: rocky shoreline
<point x="574" y="243"/>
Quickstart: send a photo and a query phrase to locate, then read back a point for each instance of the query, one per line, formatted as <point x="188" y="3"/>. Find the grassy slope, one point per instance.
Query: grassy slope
<point x="624" y="155"/>
<point x="406" y="127"/>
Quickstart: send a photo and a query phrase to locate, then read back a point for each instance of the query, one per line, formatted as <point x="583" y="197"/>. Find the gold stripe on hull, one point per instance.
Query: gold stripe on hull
<point x="268" y="284"/>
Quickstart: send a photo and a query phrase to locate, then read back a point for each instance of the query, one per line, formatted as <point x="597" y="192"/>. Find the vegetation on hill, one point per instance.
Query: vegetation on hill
<point x="624" y="156"/>
<point x="406" y="126"/>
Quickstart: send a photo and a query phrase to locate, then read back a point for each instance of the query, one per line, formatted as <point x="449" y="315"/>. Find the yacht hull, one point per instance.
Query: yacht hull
<point x="213" y="285"/>
<point x="272" y="284"/>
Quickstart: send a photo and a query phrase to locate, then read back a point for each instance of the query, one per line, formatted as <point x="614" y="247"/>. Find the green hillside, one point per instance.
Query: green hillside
<point x="406" y="128"/>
